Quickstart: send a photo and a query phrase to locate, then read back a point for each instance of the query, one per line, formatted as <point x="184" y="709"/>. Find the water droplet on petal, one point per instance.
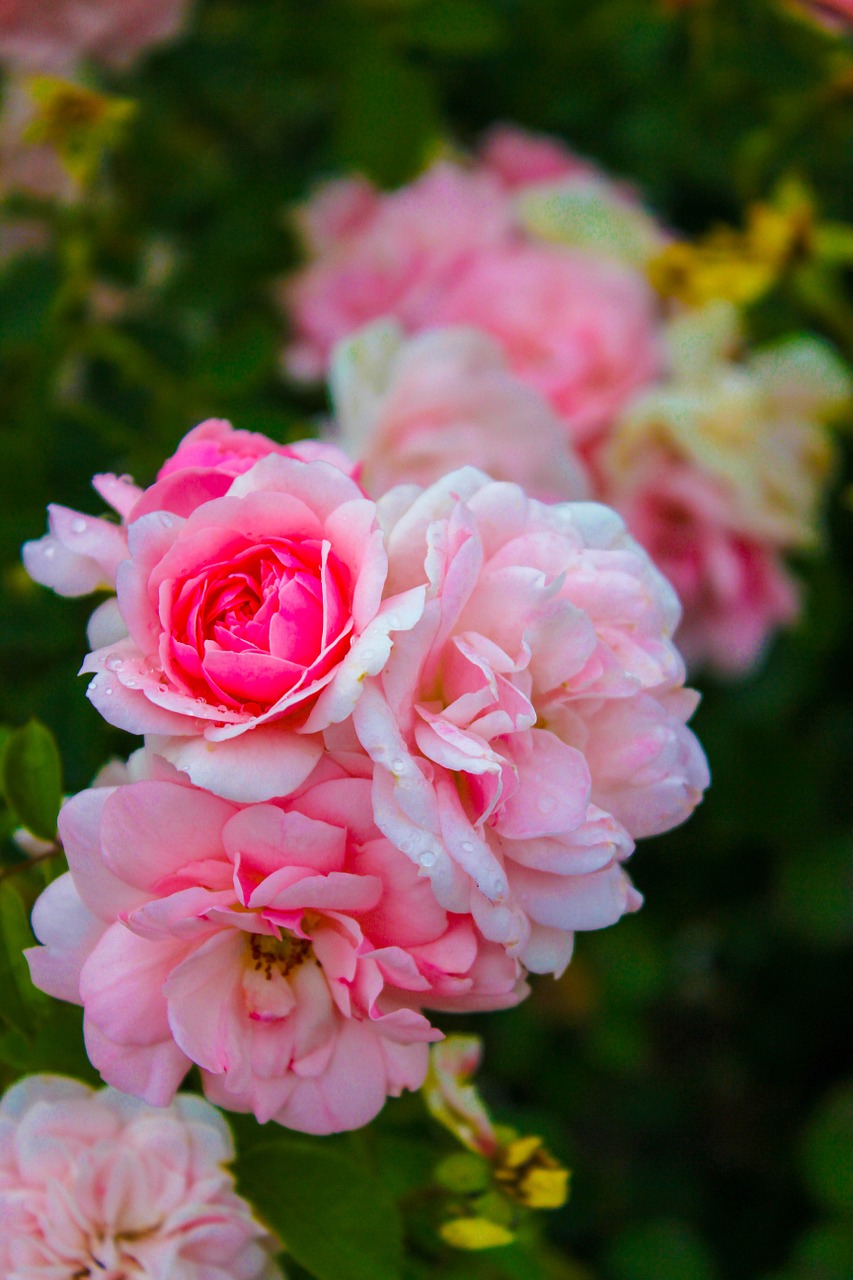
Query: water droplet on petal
<point x="78" y="525"/>
<point x="398" y="765"/>
<point x="222" y="709"/>
<point x="49" y="552"/>
<point x="428" y="858"/>
<point x="201" y="701"/>
<point x="108" y="690"/>
<point x="467" y="846"/>
<point x="114" y="662"/>
<point x="131" y="684"/>
<point x="164" y="688"/>
<point x="166" y="520"/>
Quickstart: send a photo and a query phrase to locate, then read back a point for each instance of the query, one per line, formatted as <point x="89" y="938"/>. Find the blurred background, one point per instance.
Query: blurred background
<point x="694" y="1065"/>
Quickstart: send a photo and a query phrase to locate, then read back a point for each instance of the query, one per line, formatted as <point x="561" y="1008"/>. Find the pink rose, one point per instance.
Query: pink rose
<point x="394" y="256"/>
<point x="52" y="35"/>
<point x="497" y="765"/>
<point x="95" y="1183"/>
<point x="521" y="159"/>
<point x="283" y="948"/>
<point x="579" y="329"/>
<point x="733" y="585"/>
<point x="413" y="410"/>
<point x="252" y="623"/>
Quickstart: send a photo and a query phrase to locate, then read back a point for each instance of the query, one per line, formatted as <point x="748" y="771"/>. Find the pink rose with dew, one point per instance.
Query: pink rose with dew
<point x="497" y="767"/>
<point x="391" y="256"/>
<point x="53" y="35"/>
<point x="286" y="949"/>
<point x="733" y="585"/>
<point x="252" y="624"/>
<point x="96" y="1183"/>
<point x="411" y="410"/>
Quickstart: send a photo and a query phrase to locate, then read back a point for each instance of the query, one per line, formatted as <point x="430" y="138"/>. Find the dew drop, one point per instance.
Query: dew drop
<point x="131" y="684"/>
<point x="201" y="701"/>
<point x="166" y="520"/>
<point x="222" y="709"/>
<point x="114" y="662"/>
<point x="428" y="858"/>
<point x="398" y="765"/>
<point x="108" y="690"/>
<point x="78" y="525"/>
<point x="164" y="688"/>
<point x="49" y="553"/>
<point x="467" y="846"/>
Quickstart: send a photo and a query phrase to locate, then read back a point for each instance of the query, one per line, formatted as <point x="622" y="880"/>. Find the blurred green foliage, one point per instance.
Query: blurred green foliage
<point x="694" y="1065"/>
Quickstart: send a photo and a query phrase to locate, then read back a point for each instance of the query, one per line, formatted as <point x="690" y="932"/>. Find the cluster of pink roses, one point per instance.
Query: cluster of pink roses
<point x="396" y="754"/>
<point x="546" y="258"/>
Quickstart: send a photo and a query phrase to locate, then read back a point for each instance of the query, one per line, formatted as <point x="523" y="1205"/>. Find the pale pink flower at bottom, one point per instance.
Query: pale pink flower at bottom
<point x="286" y="949"/>
<point x="53" y="35"/>
<point x="734" y="586"/>
<point x="96" y="1184"/>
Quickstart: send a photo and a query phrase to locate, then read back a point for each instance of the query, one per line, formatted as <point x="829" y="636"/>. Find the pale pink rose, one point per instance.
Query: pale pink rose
<point x="497" y="768"/>
<point x="733" y="585"/>
<point x="391" y="256"/>
<point x="252" y="623"/>
<point x="413" y="410"/>
<point x="93" y="1183"/>
<point x="285" y="949"/>
<point x="53" y="35"/>
<point x="519" y="158"/>
<point x="578" y="328"/>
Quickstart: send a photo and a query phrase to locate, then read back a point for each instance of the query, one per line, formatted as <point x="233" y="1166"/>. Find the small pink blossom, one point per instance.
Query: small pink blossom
<point x="502" y="765"/>
<point x="96" y="1183"/>
<point x="285" y="949"/>
<point x="521" y="159"/>
<point x="411" y="410"/>
<point x="53" y="35"/>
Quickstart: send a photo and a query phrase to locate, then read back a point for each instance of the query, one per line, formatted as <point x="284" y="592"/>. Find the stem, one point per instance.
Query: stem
<point x="7" y="872"/>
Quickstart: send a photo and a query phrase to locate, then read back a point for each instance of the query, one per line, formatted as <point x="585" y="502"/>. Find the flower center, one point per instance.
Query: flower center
<point x="277" y="955"/>
<point x="271" y="966"/>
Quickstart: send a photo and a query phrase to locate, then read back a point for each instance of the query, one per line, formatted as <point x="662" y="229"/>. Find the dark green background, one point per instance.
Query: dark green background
<point x="694" y="1067"/>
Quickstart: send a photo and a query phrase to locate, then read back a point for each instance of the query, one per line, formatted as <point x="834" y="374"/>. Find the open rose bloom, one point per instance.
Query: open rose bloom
<point x="546" y="257"/>
<point x="100" y="1184"/>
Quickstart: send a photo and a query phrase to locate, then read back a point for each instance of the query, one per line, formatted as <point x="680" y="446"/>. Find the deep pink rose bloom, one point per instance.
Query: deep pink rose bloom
<point x="392" y="255"/>
<point x="579" y="329"/>
<point x="249" y="581"/>
<point x="532" y="723"/>
<point x="286" y="949"/>
<point x="99" y="1184"/>
<point x="733" y="586"/>
<point x="434" y="401"/>
<point x="52" y="35"/>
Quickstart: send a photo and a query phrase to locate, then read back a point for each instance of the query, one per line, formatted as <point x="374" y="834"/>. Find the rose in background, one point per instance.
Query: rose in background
<point x="56" y="35"/>
<point x="559" y="279"/>
<point x="96" y="1182"/>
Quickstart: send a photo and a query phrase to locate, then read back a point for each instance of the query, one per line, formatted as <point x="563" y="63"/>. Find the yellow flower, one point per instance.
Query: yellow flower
<point x="80" y="124"/>
<point x="737" y="266"/>
<point x="528" y="1173"/>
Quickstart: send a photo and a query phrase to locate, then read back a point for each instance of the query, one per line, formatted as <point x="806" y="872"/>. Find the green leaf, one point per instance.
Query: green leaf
<point x="827" y="1153"/>
<point x="457" y="26"/>
<point x="21" y="1004"/>
<point x="28" y="286"/>
<point x="331" y="1212"/>
<point x="389" y="117"/>
<point x="32" y="778"/>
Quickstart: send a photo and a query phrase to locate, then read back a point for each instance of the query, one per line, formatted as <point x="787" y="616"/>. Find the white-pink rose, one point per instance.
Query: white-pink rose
<point x="285" y="949"/>
<point x="96" y="1183"/>
<point x="532" y="723"/>
<point x="411" y="410"/>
